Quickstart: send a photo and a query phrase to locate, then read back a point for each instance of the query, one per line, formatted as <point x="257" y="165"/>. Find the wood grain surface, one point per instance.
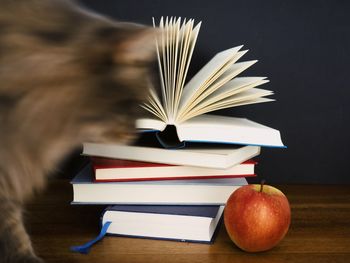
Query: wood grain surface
<point x="320" y="232"/>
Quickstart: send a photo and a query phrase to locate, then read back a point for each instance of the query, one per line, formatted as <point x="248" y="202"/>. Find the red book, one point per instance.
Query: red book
<point x="116" y="170"/>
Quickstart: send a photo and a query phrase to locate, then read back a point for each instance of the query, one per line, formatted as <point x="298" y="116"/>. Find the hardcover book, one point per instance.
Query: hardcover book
<point x="180" y="223"/>
<point x="173" y="192"/>
<point x="109" y="170"/>
<point x="216" y="156"/>
<point x="216" y="86"/>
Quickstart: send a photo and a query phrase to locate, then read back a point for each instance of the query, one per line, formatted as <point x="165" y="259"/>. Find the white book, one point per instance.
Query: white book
<point x="179" y="223"/>
<point x="215" y="157"/>
<point x="173" y="192"/>
<point x="219" y="129"/>
<point x="216" y="86"/>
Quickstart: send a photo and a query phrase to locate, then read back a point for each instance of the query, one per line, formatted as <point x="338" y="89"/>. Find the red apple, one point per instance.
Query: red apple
<point x="257" y="217"/>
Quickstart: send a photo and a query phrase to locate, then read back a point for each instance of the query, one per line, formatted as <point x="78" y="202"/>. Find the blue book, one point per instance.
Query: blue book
<point x="176" y="223"/>
<point x="180" y="223"/>
<point x="174" y="192"/>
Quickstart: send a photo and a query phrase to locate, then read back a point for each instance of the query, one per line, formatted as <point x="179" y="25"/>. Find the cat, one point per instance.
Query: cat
<point x="67" y="75"/>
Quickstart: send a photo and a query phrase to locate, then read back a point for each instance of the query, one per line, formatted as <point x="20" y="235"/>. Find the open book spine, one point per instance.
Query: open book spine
<point x="216" y="86"/>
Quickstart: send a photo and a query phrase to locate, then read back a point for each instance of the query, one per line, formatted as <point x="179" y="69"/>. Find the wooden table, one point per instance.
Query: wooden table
<point x="320" y="232"/>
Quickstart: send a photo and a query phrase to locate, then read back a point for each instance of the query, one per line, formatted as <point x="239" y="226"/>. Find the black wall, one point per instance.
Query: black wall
<point x="303" y="47"/>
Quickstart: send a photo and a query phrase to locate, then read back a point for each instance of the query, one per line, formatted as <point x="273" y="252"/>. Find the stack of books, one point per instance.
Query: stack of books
<point x="177" y="187"/>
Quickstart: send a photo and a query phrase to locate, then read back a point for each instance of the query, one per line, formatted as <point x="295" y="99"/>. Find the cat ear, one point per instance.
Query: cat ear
<point x="139" y="46"/>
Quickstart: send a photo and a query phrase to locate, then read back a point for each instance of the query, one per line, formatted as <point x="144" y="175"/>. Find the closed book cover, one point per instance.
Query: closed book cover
<point x="213" y="156"/>
<point x="174" y="192"/>
<point x="180" y="223"/>
<point x="109" y="170"/>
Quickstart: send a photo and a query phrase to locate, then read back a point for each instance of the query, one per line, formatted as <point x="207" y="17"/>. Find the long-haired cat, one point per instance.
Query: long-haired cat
<point x="66" y="76"/>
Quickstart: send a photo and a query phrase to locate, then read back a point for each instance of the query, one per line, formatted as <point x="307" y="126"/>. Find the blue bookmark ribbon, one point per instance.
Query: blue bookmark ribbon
<point x="85" y="248"/>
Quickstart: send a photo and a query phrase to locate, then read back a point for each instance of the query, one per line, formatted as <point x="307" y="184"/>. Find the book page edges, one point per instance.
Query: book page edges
<point x="206" y="72"/>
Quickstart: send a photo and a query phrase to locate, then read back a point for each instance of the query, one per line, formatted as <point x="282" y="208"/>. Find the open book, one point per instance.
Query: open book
<point x="216" y="86"/>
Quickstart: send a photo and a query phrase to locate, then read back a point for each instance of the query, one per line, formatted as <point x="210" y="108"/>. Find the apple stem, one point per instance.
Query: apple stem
<point x="262" y="185"/>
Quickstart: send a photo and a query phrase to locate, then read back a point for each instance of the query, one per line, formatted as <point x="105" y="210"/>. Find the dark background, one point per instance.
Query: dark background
<point x="303" y="48"/>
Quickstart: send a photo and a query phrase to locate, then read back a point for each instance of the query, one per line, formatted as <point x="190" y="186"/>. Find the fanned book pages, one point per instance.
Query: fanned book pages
<point x="216" y="86"/>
